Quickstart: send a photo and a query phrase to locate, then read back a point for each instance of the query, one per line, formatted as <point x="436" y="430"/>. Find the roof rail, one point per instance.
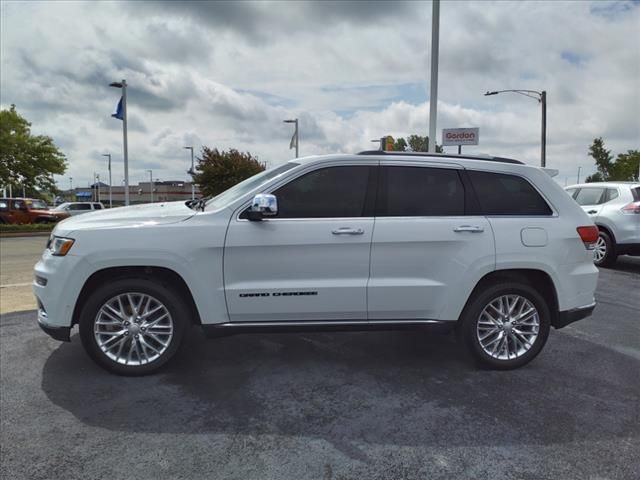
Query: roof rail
<point x="486" y="158"/>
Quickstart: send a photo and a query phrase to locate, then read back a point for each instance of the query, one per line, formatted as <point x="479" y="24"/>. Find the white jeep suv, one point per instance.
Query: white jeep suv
<point x="371" y="241"/>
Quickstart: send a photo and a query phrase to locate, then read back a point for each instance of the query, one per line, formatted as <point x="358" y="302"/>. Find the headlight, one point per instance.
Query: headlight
<point x="60" y="246"/>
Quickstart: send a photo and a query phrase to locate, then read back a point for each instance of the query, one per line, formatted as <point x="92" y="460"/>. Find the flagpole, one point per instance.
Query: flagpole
<point x="295" y="135"/>
<point x="126" y="147"/>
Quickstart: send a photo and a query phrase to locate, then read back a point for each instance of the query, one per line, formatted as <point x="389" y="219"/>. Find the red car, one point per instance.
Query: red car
<point x="28" y="210"/>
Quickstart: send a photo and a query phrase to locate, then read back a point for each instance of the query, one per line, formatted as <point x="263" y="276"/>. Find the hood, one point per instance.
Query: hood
<point x="135" y="216"/>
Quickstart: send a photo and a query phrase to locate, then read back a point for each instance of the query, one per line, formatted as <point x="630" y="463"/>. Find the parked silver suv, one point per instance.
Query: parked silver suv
<point x="615" y="209"/>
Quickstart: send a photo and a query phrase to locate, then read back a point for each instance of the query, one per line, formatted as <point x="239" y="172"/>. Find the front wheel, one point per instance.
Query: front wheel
<point x="506" y="325"/>
<point x="133" y="326"/>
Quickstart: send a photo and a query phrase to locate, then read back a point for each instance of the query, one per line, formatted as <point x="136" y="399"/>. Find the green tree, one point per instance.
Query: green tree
<point x="25" y="159"/>
<point x="596" y="177"/>
<point x="626" y="166"/>
<point x="414" y="143"/>
<point x="219" y="170"/>
<point x="623" y="168"/>
<point x="602" y="157"/>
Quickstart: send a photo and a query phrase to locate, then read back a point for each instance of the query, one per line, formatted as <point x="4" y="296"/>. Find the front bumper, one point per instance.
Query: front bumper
<point x="569" y="316"/>
<point x="63" y="334"/>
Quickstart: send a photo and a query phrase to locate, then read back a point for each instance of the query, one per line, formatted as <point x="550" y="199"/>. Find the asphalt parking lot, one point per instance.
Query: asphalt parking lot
<point x="400" y="405"/>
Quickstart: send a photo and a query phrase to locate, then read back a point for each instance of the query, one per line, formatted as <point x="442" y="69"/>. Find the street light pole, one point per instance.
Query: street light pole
<point x="151" y="183"/>
<point x="579" y="168"/>
<point x="295" y="135"/>
<point x="542" y="99"/>
<point x="123" y="85"/>
<point x="110" y="198"/>
<point x="191" y="172"/>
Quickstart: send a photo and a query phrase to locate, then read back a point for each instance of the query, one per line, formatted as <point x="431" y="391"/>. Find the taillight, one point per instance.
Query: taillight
<point x="633" y="207"/>
<point x="588" y="235"/>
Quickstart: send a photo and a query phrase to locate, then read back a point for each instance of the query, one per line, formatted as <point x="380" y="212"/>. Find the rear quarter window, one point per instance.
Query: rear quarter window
<point x="504" y="194"/>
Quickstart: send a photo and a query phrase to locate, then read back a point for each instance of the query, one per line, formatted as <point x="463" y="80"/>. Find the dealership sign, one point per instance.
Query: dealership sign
<point x="460" y="136"/>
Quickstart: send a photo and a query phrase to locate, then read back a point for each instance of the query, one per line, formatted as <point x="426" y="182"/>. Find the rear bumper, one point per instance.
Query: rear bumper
<point x="628" y="249"/>
<point x="569" y="316"/>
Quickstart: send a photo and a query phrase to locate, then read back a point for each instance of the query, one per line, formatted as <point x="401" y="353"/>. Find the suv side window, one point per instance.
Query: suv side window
<point x="590" y="196"/>
<point x="4" y="205"/>
<point x="97" y="206"/>
<point x="420" y="192"/>
<point x="18" y="204"/>
<point x="80" y="206"/>
<point x="503" y="194"/>
<point x="330" y="192"/>
<point x="612" y="194"/>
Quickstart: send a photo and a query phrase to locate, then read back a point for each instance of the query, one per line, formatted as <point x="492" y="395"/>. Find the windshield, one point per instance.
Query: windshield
<point x="251" y="183"/>
<point x="37" y="204"/>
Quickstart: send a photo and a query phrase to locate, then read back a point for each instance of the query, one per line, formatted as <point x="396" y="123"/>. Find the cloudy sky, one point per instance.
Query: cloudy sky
<point x="226" y="74"/>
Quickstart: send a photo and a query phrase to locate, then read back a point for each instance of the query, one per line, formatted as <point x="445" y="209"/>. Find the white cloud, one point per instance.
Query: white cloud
<point x="226" y="74"/>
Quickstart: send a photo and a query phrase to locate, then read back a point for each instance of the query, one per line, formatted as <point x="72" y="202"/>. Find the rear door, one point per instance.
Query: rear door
<point x="591" y="200"/>
<point x="429" y="245"/>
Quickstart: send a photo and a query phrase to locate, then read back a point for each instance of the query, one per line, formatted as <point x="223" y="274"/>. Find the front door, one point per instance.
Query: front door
<point x="19" y="212"/>
<point x="428" y="248"/>
<point x="311" y="261"/>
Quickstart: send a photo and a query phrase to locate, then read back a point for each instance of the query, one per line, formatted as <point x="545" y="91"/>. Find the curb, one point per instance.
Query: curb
<point x="24" y="234"/>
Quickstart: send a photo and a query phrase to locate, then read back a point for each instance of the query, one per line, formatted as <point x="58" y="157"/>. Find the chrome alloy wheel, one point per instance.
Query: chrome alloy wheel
<point x="508" y="327"/>
<point x="133" y="329"/>
<point x="600" y="249"/>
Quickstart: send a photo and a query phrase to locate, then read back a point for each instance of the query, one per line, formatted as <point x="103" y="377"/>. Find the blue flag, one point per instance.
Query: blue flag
<point x="118" y="113"/>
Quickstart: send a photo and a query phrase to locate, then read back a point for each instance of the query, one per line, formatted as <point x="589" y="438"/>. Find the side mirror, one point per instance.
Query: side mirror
<point x="263" y="205"/>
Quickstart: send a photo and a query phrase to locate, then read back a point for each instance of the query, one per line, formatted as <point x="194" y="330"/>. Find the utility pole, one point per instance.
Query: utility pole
<point x="543" y="141"/>
<point x="151" y="183"/>
<point x="433" y="96"/>
<point x="98" y="185"/>
<point x="110" y="196"/>
<point x="579" y="168"/>
<point x="192" y="172"/>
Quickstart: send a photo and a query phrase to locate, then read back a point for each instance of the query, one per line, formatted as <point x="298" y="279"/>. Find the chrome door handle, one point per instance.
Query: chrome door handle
<point x="347" y="231"/>
<point x="469" y="228"/>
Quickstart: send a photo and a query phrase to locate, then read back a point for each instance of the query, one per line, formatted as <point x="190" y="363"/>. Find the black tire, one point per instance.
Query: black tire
<point x="471" y="317"/>
<point x="179" y="316"/>
<point x="610" y="256"/>
<point x="41" y="220"/>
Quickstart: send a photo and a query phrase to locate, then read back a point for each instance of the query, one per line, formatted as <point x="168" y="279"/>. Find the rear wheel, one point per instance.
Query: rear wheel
<point x="604" y="254"/>
<point x="133" y="326"/>
<point x="506" y="325"/>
